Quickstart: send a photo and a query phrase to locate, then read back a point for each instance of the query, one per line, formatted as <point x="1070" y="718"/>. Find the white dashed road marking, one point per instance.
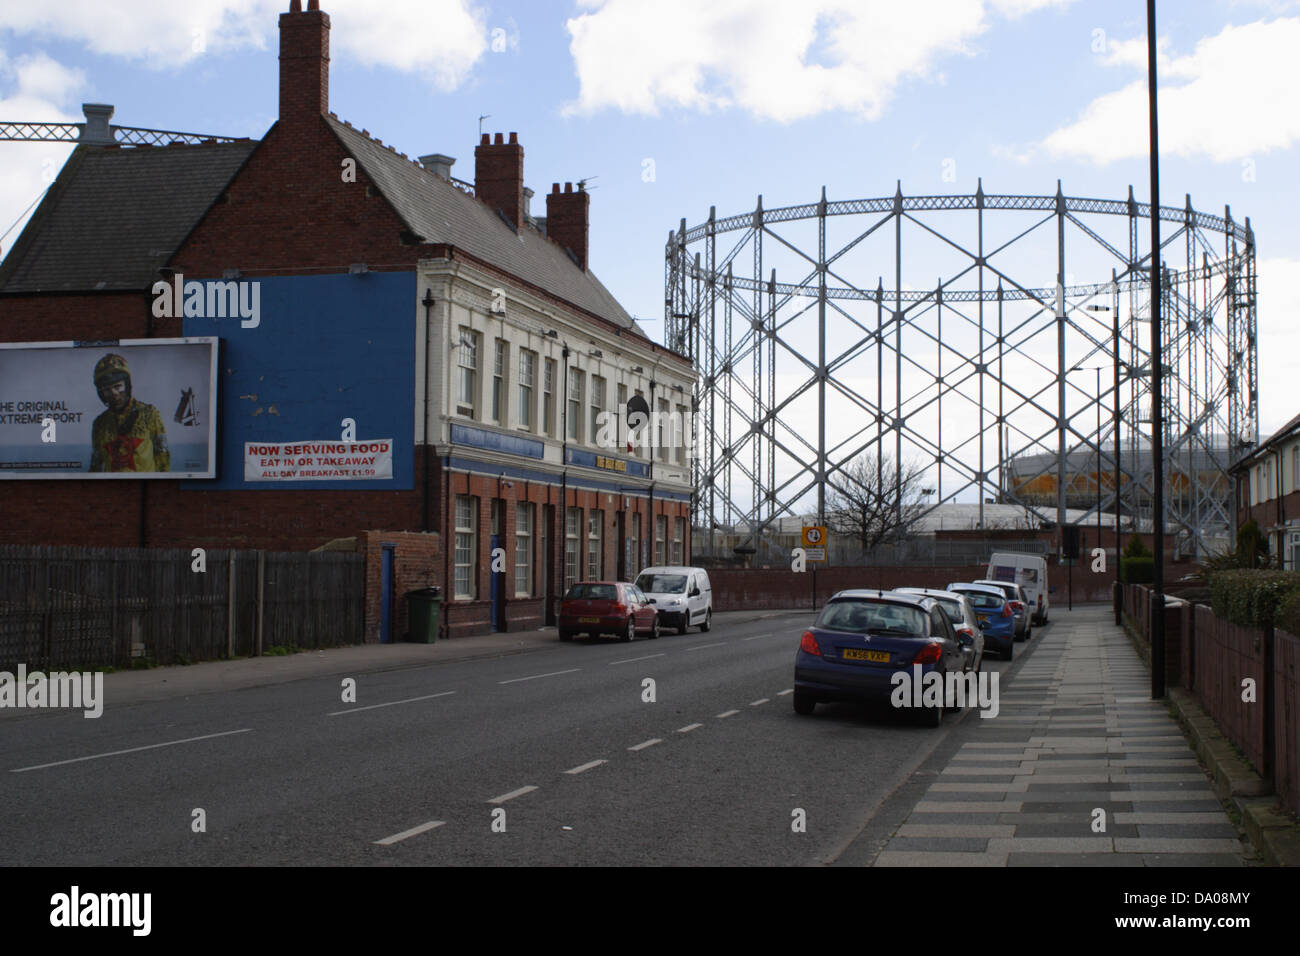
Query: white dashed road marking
<point x="761" y="700"/>
<point x="512" y="794"/>
<point x="391" y="703"/>
<point x="727" y="713"/>
<point x="700" y="647"/>
<point x="405" y="834"/>
<point x="633" y="659"/>
<point x="782" y="693"/>
<point x="688" y="728"/>
<point x="516" y="680"/>
<point x="646" y="743"/>
<point x="583" y="768"/>
<point x="132" y="750"/>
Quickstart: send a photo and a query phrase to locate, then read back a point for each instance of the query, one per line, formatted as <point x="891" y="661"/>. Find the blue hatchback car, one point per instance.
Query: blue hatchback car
<point x="862" y="639"/>
<point x="995" y="615"/>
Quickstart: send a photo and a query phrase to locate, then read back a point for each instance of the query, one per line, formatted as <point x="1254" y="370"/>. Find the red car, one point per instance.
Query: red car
<point x="606" y="607"/>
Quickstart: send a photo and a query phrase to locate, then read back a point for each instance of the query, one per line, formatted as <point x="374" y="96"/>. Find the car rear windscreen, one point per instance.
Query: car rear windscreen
<point x="982" y="599"/>
<point x="592" y="592"/>
<point x="860" y="617"/>
<point x="662" y="583"/>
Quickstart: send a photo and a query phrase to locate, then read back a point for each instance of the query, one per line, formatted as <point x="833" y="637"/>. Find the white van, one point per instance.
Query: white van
<point x="683" y="596"/>
<point x="1027" y="570"/>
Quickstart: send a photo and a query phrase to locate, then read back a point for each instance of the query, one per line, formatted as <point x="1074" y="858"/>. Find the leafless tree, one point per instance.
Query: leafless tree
<point x="873" y="501"/>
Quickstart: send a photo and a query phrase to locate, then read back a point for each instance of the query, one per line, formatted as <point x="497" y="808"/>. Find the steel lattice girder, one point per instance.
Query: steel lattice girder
<point x="736" y="327"/>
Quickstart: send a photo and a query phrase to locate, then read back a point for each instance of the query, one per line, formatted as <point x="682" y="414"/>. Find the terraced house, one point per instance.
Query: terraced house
<point x="404" y="363"/>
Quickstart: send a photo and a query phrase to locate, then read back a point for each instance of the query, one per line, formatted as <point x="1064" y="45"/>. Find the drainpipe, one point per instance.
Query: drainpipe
<point x="564" y="473"/>
<point x="428" y="303"/>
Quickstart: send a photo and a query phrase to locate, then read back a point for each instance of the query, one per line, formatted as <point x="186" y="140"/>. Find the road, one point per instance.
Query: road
<point x="552" y="757"/>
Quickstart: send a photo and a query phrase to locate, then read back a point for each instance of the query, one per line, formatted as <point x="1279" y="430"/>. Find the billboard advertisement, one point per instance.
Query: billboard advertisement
<point x="131" y="408"/>
<point x="317" y="382"/>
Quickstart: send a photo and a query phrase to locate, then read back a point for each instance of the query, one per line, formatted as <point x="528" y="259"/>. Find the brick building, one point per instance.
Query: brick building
<point x="1268" y="491"/>
<point x="440" y="316"/>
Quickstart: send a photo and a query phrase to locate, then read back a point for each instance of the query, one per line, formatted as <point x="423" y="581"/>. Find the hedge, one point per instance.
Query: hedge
<point x="1137" y="570"/>
<point x="1257" y="598"/>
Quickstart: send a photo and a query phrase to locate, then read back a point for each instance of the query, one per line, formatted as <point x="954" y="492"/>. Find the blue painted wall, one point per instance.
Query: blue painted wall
<point x="326" y="348"/>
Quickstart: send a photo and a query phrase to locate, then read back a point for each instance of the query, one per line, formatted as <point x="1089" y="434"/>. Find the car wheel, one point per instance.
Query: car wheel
<point x="631" y="629"/>
<point x="654" y="629"/>
<point x="683" y="627"/>
<point x="931" y="716"/>
<point x="566" y="635"/>
<point x="1029" y="632"/>
<point x="804" y="704"/>
<point x="950" y="705"/>
<point x="708" y="620"/>
<point x="1010" y="652"/>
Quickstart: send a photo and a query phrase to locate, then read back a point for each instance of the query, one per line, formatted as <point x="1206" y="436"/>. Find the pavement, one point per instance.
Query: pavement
<point x="1079" y="768"/>
<point x="163" y="683"/>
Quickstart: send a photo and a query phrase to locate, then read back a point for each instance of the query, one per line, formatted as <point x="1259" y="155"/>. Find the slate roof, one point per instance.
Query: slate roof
<point x="114" y="216"/>
<point x="1249" y="455"/>
<point x="439" y="212"/>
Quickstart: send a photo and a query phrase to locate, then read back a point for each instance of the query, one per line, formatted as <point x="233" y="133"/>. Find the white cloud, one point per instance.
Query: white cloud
<point x="775" y="59"/>
<point x="439" y="39"/>
<point x="1245" y="73"/>
<point x="39" y="86"/>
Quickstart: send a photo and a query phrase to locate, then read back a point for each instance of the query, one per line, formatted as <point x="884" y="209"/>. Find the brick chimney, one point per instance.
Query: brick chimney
<point x="499" y="176"/>
<point x="566" y="219"/>
<point x="304" y="63"/>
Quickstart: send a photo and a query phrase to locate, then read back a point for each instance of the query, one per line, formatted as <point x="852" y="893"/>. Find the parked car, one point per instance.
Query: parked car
<point x="993" y="610"/>
<point x="683" y="596"/>
<point x="964" y="621"/>
<point x="606" y="607"/>
<point x="1019" y="606"/>
<point x="863" y="638"/>
<point x="1027" y="570"/>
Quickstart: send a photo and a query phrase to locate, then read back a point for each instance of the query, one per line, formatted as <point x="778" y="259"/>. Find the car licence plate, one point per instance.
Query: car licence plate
<point x="588" y="620"/>
<point x="856" y="654"/>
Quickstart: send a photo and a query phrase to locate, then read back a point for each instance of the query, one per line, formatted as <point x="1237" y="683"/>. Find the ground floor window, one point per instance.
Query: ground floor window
<point x="595" y="551"/>
<point x="572" y="527"/>
<point x="661" y="537"/>
<point x="523" y="550"/>
<point x="679" y="533"/>
<point x="466" y="577"/>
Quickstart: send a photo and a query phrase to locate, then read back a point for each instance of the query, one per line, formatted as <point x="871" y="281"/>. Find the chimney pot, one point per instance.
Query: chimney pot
<point x="567" y="218"/>
<point x="555" y="187"/>
<point x="313" y="5"/>
<point x="485" y="140"/>
<point x="514" y="137"/>
<point x="97" y="131"/>
<point x="304" y="64"/>
<point x="499" y="177"/>
<point x="438" y="164"/>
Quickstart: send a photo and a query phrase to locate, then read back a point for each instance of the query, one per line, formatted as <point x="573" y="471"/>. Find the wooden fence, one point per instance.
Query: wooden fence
<point x="95" y="607"/>
<point x="1211" y="657"/>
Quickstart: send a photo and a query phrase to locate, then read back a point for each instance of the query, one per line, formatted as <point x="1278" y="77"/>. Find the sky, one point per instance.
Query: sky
<point x="669" y="107"/>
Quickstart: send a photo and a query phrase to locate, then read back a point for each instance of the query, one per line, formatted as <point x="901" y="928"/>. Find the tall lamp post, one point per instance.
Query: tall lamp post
<point x="1157" y="411"/>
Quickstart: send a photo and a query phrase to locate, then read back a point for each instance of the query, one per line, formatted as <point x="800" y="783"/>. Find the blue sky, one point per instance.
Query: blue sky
<point x="728" y="100"/>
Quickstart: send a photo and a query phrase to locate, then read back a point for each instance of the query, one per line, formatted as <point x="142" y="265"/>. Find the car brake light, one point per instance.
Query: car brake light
<point x="619" y="609"/>
<point x="808" y="644"/>
<point x="928" y="654"/>
<point x="1017" y="605"/>
<point x="1006" y="610"/>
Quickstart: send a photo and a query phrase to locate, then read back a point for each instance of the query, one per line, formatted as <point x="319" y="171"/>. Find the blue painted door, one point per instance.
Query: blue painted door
<point x="386" y="590"/>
